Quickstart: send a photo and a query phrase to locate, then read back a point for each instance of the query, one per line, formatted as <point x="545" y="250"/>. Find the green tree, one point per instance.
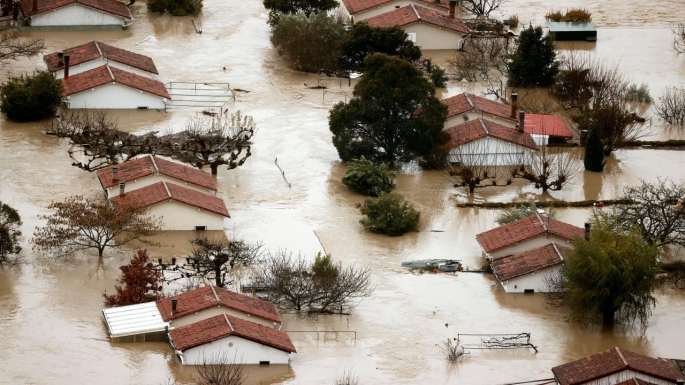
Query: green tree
<point x="10" y="224"/>
<point x="610" y="278"/>
<point x="29" y="98"/>
<point x="393" y="115"/>
<point x="175" y="7"/>
<point x="594" y="152"/>
<point x="389" y="214"/>
<point x="365" y="177"/>
<point x="309" y="43"/>
<point x="534" y="63"/>
<point x="279" y="8"/>
<point x="362" y="41"/>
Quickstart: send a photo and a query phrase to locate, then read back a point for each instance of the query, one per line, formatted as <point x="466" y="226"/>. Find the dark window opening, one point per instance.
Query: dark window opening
<point x="200" y="228"/>
<point x="264" y="362"/>
<point x="529" y="290"/>
<point x="142" y="107"/>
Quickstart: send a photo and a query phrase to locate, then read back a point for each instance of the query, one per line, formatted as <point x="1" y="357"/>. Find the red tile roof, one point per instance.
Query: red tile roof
<point x="528" y="262"/>
<point x="224" y="325"/>
<point x="524" y="229"/>
<point x="416" y="14"/>
<point x="162" y="192"/>
<point x="551" y="125"/>
<point x="114" y="7"/>
<point x="95" y="50"/>
<point x="149" y="165"/>
<point x="464" y="102"/>
<point x="211" y="296"/>
<point x="481" y="128"/>
<point x="612" y="361"/>
<point x="105" y="74"/>
<point x="635" y="381"/>
<point x="356" y="6"/>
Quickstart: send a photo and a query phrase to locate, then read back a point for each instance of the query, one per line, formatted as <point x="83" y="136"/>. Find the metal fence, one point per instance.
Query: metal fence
<point x="200" y="95"/>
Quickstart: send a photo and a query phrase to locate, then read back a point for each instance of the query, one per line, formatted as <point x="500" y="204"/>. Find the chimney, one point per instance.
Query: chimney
<point x="514" y="104"/>
<point x="114" y="173"/>
<point x="122" y="188"/>
<point x="174" y="302"/>
<point x="587" y="231"/>
<point x="34" y="5"/>
<point x="453" y="7"/>
<point x="60" y="59"/>
<point x="66" y="66"/>
<point x="522" y="121"/>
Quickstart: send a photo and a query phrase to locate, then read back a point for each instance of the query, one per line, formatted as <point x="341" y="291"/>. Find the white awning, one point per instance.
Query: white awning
<point x="134" y="319"/>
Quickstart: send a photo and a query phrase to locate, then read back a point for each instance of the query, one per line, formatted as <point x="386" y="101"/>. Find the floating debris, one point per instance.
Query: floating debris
<point x="440" y="265"/>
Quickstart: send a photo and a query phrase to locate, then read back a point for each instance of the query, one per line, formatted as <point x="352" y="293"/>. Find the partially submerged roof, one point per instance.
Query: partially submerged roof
<point x="113" y="7"/>
<point x="105" y="74"/>
<point x="150" y="165"/>
<point x="95" y="50"/>
<point x="356" y="6"/>
<point x="528" y="262"/>
<point x="524" y="229"/>
<point x="465" y="102"/>
<point x="211" y="296"/>
<point x="481" y="128"/>
<point x="567" y="26"/>
<point x="552" y="125"/>
<point x="612" y="361"/>
<point x="134" y="319"/>
<point x="224" y="325"/>
<point x="416" y="14"/>
<point x="162" y="192"/>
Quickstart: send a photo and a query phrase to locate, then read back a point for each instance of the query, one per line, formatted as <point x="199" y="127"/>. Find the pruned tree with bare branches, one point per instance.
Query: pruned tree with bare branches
<point x="220" y="369"/>
<point x="13" y="46"/>
<point x="671" y="106"/>
<point x="549" y="170"/>
<point x="679" y="39"/>
<point x="483" y="58"/>
<point x="481" y="8"/>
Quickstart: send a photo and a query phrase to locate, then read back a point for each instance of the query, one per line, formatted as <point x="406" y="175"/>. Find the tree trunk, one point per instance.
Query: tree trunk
<point x="217" y="276"/>
<point x="608" y="317"/>
<point x="215" y="168"/>
<point x="101" y="250"/>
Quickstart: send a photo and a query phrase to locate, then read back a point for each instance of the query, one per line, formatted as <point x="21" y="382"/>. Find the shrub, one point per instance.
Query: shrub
<point x="176" y="7"/>
<point x="30" y="98"/>
<point x="514" y="213"/>
<point x="638" y="94"/>
<point x="513" y="21"/>
<point x="574" y="15"/>
<point x="365" y="177"/>
<point x="594" y="152"/>
<point x="438" y="77"/>
<point x="389" y="214"/>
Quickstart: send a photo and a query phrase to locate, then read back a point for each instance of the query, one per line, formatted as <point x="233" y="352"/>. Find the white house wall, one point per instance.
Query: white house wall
<point x="528" y="244"/>
<point x="75" y="15"/>
<point x="115" y="96"/>
<point x="245" y="351"/>
<point x="429" y="36"/>
<point x="152" y="179"/>
<point x="218" y="310"/>
<point x="89" y="65"/>
<point x="388" y="7"/>
<point x="179" y="216"/>
<point x="534" y="281"/>
<point x="489" y="151"/>
<point x="627" y="375"/>
<point x="472" y="115"/>
<point x="540" y="140"/>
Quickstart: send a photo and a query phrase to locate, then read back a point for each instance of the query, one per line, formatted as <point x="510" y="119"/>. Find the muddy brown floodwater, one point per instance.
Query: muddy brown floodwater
<point x="50" y="321"/>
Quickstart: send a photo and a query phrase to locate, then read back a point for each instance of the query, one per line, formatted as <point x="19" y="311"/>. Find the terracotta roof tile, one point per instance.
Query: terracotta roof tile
<point x="224" y="325"/>
<point x="416" y="14"/>
<point x="464" y="102"/>
<point x="162" y="191"/>
<point x="551" y="125"/>
<point x="356" y="6"/>
<point x="480" y="128"/>
<point x="635" y="381"/>
<point x="529" y="261"/>
<point x="105" y="74"/>
<point x="149" y="165"/>
<point x="142" y="83"/>
<point x="110" y="6"/>
<point x="205" y="298"/>
<point x="612" y="361"/>
<point x="95" y="50"/>
<point x="524" y="229"/>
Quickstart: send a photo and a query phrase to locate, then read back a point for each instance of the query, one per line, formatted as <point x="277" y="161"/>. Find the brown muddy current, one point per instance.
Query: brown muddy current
<point x="50" y="321"/>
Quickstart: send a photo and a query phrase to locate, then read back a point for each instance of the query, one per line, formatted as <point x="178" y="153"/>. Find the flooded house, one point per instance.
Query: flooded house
<point x="620" y="367"/>
<point x="570" y="31"/>
<point x="526" y="272"/>
<point x="150" y="169"/>
<point x="545" y="129"/>
<point x="178" y="207"/>
<point x="223" y="335"/>
<point x="527" y="234"/>
<point x="358" y="10"/>
<point x="75" y="14"/>
<point x="464" y="107"/>
<point x="95" y="54"/>
<point x="427" y="28"/>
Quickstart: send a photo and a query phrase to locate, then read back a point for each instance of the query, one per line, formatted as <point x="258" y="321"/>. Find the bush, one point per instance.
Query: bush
<point x="365" y="177"/>
<point x="175" y="7"/>
<point x="575" y="15"/>
<point x="594" y="152"/>
<point x="389" y="214"/>
<point x="30" y="98"/>
<point x="514" y="213"/>
<point x="438" y="77"/>
<point x="513" y="21"/>
<point x="638" y="94"/>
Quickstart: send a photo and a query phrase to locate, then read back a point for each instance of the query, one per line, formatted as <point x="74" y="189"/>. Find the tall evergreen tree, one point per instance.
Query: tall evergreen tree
<point x="534" y="63"/>
<point x="594" y="152"/>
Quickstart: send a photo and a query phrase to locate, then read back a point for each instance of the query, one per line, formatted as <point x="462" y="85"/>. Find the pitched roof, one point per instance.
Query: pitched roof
<point x="480" y="128"/>
<point x="635" y="381"/>
<point x="551" y="125"/>
<point x="224" y="325"/>
<point x="211" y="296"/>
<point x="464" y="102"/>
<point x="95" y="50"/>
<point x="105" y="74"/>
<point x="612" y="361"/>
<point x="416" y="14"/>
<point x="110" y="6"/>
<point x="524" y="229"/>
<point x="528" y="262"/>
<point x="356" y="6"/>
<point x="162" y="191"/>
<point x="149" y="165"/>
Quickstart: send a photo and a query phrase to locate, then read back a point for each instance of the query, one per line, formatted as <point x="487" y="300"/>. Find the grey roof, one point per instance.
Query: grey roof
<point x="569" y="27"/>
<point x="134" y="319"/>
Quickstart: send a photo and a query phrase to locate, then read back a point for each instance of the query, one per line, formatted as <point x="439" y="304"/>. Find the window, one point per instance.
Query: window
<point x="529" y="290"/>
<point x="264" y="362"/>
<point x="411" y="36"/>
<point x="200" y="228"/>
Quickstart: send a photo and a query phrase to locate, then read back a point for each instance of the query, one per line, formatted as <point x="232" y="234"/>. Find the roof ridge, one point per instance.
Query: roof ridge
<point x="483" y="125"/>
<point x="557" y="250"/>
<point x="228" y="322"/>
<point x="544" y="226"/>
<point x="168" y="193"/>
<point x="415" y="11"/>
<point x="621" y="355"/>
<point x="154" y="164"/>
<point x="97" y="45"/>
<point x="466" y="95"/>
<point x="110" y="72"/>
<point x="218" y="300"/>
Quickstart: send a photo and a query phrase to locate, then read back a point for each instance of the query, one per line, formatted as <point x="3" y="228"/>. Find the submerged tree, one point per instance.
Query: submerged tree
<point x="534" y="62"/>
<point x="550" y="170"/>
<point x="389" y="214"/>
<point x="10" y="231"/>
<point x="13" y="46"/>
<point x="141" y="280"/>
<point x="671" y="106"/>
<point x="278" y="8"/>
<point x="679" y="39"/>
<point x="362" y="41"/>
<point x="481" y="8"/>
<point x="484" y="58"/>
<point x="594" y="153"/>
<point x="29" y="98"/>
<point x="220" y="369"/>
<point x="365" y="177"/>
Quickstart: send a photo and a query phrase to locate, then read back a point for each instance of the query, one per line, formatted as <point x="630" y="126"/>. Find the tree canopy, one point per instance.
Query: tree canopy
<point x="362" y="41"/>
<point x="392" y="116"/>
<point x="12" y="45"/>
<point x="141" y="280"/>
<point x="367" y="178"/>
<point x="389" y="214"/>
<point x="28" y="98"/>
<point x="594" y="152"/>
<point x="278" y="8"/>
<point x="10" y="231"/>
<point x="534" y="62"/>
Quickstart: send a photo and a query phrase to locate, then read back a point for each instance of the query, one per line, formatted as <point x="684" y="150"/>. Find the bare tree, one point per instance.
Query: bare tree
<point x="679" y="39"/>
<point x="481" y="8"/>
<point x="452" y="350"/>
<point x="671" y="106"/>
<point x="549" y="170"/>
<point x="477" y="165"/>
<point x="220" y="369"/>
<point x="287" y="281"/>
<point x="13" y="46"/>
<point x="10" y="233"/>
<point x="484" y="58"/>
<point x="348" y="377"/>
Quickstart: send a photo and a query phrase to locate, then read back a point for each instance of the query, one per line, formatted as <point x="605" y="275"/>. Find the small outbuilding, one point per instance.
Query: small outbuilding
<point x="545" y="129"/>
<point x="359" y="10"/>
<point x="75" y="14"/>
<point x="141" y="322"/>
<point x="568" y="31"/>
<point x="526" y="272"/>
<point x="208" y="340"/>
<point x="464" y="107"/>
